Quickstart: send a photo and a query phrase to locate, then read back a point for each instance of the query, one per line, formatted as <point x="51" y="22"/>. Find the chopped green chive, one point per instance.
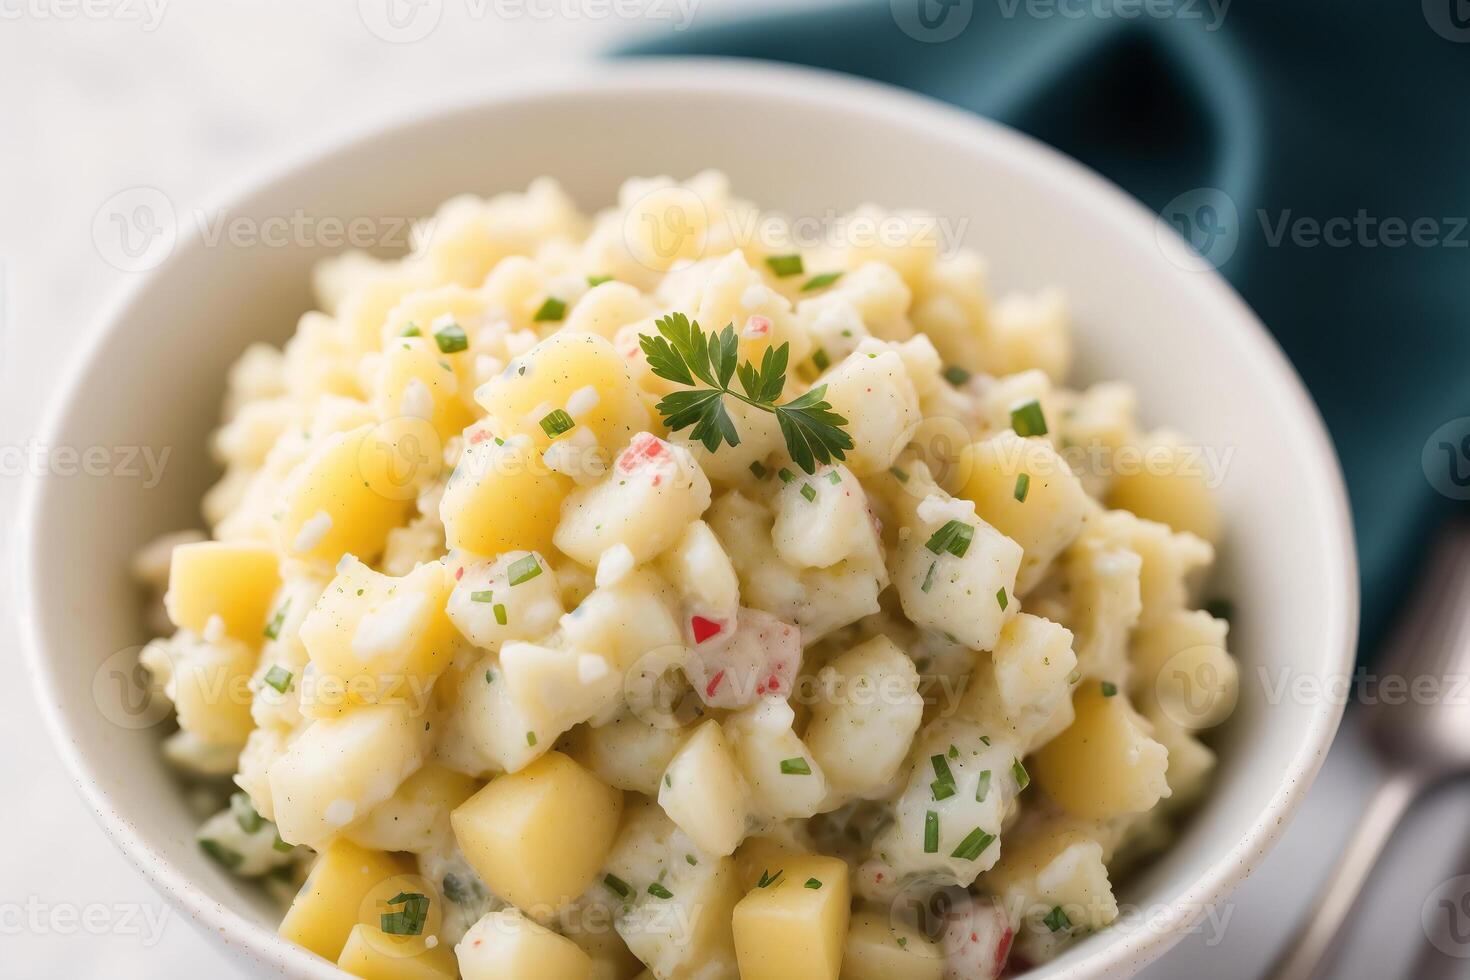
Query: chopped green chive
<point x="941" y="768"/>
<point x="500" y="617"/>
<point x="552" y="309"/>
<point x="668" y="781"/>
<point x="834" y="478"/>
<point x="1023" y="486"/>
<point x="795" y="767"/>
<point x="898" y="474"/>
<point x="982" y="786"/>
<point x="451" y="339"/>
<point x="821" y="360"/>
<point x="813" y="884"/>
<point x="691" y="860"/>
<point x="617" y="885"/>
<point x="785" y="265"/>
<point x="484" y="595"/>
<point x="279" y="678"/>
<point x="768" y="879"/>
<point x="954" y="752"/>
<point x="1027" y="419"/>
<point x="931" y="832"/>
<point x="410" y="920"/>
<point x="229" y="858"/>
<point x="557" y="422"/>
<point x="954" y="537"/>
<point x="245" y="815"/>
<point x="659" y="891"/>
<point x="985" y="739"/>
<point x="973" y="845"/>
<point x="903" y="942"/>
<point x="489" y="677"/>
<point x="956" y="375"/>
<point x="598" y="280"/>
<point x="786" y="475"/>
<point x="273" y="628"/>
<point x="1056" y="920"/>
<point x="530" y="738"/>
<point x="1000" y="598"/>
<point x="808" y="491"/>
<point x="759" y="471"/>
<point x="941" y="790"/>
<point x="412" y="330"/>
<point x="929" y="577"/>
<point x="817" y="282"/>
<point x="523" y="569"/>
<point x="1109" y="689"/>
<point x="1023" y="778"/>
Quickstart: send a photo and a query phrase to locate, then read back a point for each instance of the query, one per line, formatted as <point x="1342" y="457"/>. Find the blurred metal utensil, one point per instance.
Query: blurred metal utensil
<point x="1421" y="737"/>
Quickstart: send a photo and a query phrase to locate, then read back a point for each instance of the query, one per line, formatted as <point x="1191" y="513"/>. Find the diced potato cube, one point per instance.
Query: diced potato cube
<point x="865" y="717"/>
<point x="607" y="307"/>
<point x="501" y="497"/>
<point x="414" y="382"/>
<point x="210" y="691"/>
<point x="1169" y="483"/>
<point x="1026" y="491"/>
<point x="376" y="639"/>
<point x="653" y="492"/>
<point x="823" y="519"/>
<point x="628" y="752"/>
<point x="506" y="945"/>
<point x="1023" y="690"/>
<point x="581" y="375"/>
<point x="555" y="688"/>
<point x="489" y="611"/>
<point x="785" y="781"/>
<point x="330" y="903"/>
<point x="703" y="793"/>
<point x="700" y="568"/>
<point x="339" y="769"/>
<point x="1043" y="870"/>
<point x="416" y="817"/>
<point x="795" y="928"/>
<point x="881" y="947"/>
<point x="538" y="837"/>
<point x="625" y="621"/>
<point x="234" y="580"/>
<point x="970" y="596"/>
<point x="345" y="497"/>
<point x="1184" y="671"/>
<point x="1105" y="765"/>
<point x="373" y="954"/>
<point x="485" y="731"/>
<point x="874" y="393"/>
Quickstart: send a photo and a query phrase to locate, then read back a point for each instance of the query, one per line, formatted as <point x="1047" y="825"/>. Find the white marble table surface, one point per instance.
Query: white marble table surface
<point x="187" y="96"/>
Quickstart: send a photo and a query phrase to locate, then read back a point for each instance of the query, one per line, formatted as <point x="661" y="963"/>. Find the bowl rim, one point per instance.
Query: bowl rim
<point x="1127" y="951"/>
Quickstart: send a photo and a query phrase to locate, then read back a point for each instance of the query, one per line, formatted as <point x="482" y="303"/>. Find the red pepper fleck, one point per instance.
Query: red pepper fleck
<point x="459" y="573"/>
<point x="974" y="938"/>
<point x="774" y="683"/>
<point x="878" y="877"/>
<point x="704" y="628"/>
<point x="479" y="437"/>
<point x="1003" y="951"/>
<point x="645" y="447"/>
<point x="714" y="682"/>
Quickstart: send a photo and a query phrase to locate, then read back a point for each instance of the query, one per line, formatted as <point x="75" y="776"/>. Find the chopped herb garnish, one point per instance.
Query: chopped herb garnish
<point x="982" y="786"/>
<point x="941" y="769"/>
<point x="1056" y="920"/>
<point x="684" y="354"/>
<point x="813" y="884"/>
<point x="821" y="360"/>
<point x="483" y="595"/>
<point x="691" y="860"/>
<point x="273" y="628"/>
<point x="786" y="475"/>
<point x="1109" y="689"/>
<point x="954" y="537"/>
<point x="795" y="767"/>
<point x="617" y="885"/>
<point x="785" y="265"/>
<point x="1023" y="486"/>
<point x="985" y="739"/>
<point x="973" y="845"/>
<point x="1000" y="598"/>
<point x="956" y="375"/>
<point x="556" y="422"/>
<point x="898" y="474"/>
<point x="929" y="577"/>
<point x="759" y="471"/>
<point x="668" y="781"/>
<point x="523" y="569"/>
<point x="941" y="790"/>
<point x="931" y="832"/>
<point x="279" y="678"/>
<point x="1027" y="419"/>
<point x="903" y="942"/>
<point x="598" y="280"/>
<point x="817" y="282"/>
<point x="226" y="856"/>
<point x="409" y="921"/>
<point x="834" y="478"/>
<point x="245" y="814"/>
<point x="489" y="677"/>
<point x="768" y="879"/>
<point x="412" y="330"/>
<point x="1023" y="778"/>
<point x="451" y="338"/>
<point x="659" y="891"/>
<point x="552" y="309"/>
<point x="808" y="491"/>
<point x="499" y="610"/>
<point x="530" y="738"/>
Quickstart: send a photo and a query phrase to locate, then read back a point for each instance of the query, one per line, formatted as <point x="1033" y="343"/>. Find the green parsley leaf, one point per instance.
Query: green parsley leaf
<point x="1056" y="920"/>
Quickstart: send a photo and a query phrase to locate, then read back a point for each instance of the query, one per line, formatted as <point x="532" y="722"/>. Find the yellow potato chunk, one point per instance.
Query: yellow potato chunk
<point x="373" y="954"/>
<point x="579" y="374"/>
<point x="416" y="818"/>
<point x="345" y="497"/>
<point x="234" y="580"/>
<point x="796" y="927"/>
<point x="881" y="946"/>
<point x="501" y="497"/>
<point x="330" y="903"/>
<point x="506" y="945"/>
<point x="703" y="792"/>
<point x="210" y="691"/>
<point x="415" y="381"/>
<point x="1104" y="765"/>
<point x="374" y="639"/>
<point x="538" y="837"/>
<point x="1169" y="483"/>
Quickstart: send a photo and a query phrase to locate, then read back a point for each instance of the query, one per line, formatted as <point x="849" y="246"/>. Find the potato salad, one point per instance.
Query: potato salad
<point x="668" y="593"/>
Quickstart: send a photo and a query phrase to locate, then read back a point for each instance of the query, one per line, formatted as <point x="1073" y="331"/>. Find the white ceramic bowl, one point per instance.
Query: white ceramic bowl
<point x="800" y="141"/>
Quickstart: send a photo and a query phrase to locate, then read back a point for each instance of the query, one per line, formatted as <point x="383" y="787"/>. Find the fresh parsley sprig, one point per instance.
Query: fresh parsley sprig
<point x="684" y="354"/>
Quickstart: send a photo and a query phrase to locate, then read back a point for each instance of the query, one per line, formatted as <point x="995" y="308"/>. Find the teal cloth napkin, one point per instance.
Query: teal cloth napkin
<point x="1296" y="112"/>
